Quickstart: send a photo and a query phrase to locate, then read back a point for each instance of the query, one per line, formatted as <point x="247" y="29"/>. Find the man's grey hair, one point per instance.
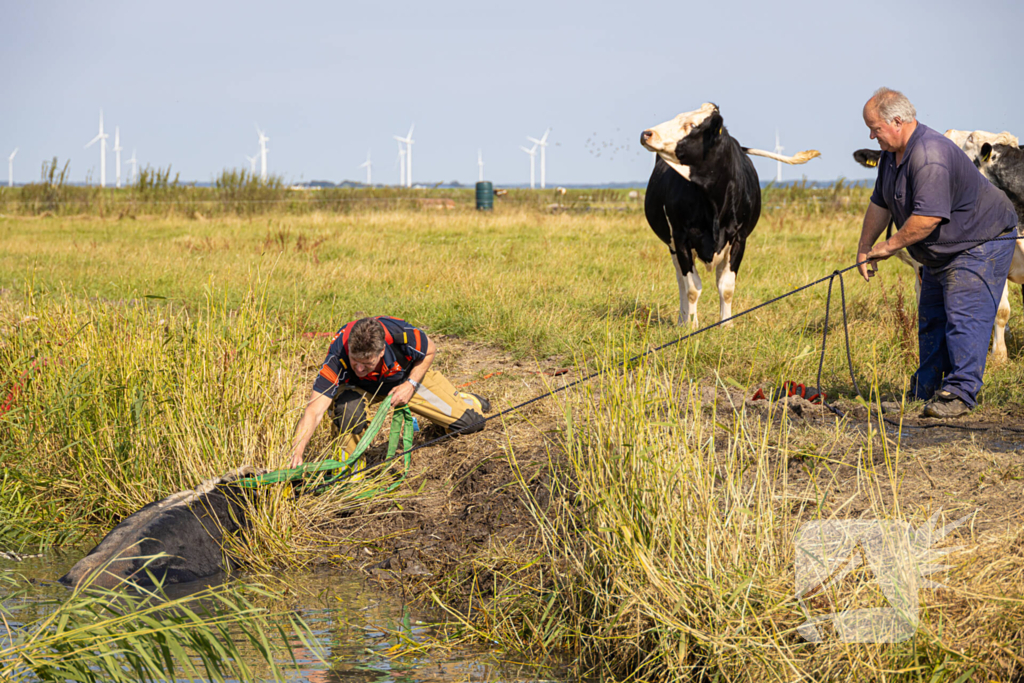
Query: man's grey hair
<point x="891" y="104"/>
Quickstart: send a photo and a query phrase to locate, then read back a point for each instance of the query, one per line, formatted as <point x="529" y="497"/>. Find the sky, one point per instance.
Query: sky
<point x="330" y="82"/>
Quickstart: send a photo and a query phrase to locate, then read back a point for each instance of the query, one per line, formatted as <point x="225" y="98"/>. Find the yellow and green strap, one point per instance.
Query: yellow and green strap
<point x="401" y="430"/>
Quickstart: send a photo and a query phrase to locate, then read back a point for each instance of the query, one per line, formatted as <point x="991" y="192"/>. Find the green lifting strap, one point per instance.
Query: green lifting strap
<point x="401" y="428"/>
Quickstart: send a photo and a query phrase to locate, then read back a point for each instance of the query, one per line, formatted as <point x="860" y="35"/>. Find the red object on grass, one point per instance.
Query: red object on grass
<point x="792" y="389"/>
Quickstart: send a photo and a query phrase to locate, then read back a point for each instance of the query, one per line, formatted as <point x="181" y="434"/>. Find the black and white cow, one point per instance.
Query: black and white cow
<point x="1003" y="165"/>
<point x="703" y="200"/>
<point x="979" y="145"/>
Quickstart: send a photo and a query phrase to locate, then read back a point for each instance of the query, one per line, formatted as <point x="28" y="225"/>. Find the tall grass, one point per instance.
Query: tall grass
<point x="116" y="406"/>
<point x="669" y="554"/>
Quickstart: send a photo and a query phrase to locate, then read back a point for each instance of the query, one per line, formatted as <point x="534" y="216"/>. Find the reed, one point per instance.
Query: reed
<point x="219" y="634"/>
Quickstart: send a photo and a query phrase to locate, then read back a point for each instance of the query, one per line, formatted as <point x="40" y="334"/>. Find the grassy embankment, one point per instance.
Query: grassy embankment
<point x="149" y="354"/>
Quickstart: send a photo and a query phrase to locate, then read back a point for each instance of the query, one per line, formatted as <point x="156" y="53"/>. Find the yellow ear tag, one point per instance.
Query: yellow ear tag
<point x="986" y="157"/>
<point x="720" y="130"/>
<point x="872" y="162"/>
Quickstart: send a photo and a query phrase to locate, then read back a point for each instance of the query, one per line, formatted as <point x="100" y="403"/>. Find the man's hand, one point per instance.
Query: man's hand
<point x="875" y="221"/>
<point x="401" y="394"/>
<point x="868" y="269"/>
<point x="315" y="409"/>
<point x="879" y="252"/>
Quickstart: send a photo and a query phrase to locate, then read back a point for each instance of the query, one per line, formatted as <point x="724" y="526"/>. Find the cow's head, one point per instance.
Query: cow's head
<point x="971" y="142"/>
<point x="867" y="157"/>
<point x="685" y="140"/>
<point x="987" y="154"/>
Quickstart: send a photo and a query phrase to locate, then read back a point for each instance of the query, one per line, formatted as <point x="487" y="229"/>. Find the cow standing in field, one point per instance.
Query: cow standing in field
<point x="703" y="201"/>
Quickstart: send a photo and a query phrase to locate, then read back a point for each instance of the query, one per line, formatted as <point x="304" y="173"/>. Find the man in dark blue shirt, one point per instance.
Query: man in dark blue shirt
<point x="936" y="195"/>
<point x="376" y="357"/>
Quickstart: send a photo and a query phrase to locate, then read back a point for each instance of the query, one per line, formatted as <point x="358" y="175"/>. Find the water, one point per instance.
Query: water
<point x="362" y="631"/>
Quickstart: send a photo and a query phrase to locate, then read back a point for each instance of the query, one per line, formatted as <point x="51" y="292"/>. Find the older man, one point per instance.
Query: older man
<point x="947" y="214"/>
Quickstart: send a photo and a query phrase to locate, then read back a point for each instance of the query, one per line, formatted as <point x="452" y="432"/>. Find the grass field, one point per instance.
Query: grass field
<point x="143" y="353"/>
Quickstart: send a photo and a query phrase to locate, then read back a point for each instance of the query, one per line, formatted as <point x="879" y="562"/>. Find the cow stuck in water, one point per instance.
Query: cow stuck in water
<point x="173" y="540"/>
<point x="703" y="200"/>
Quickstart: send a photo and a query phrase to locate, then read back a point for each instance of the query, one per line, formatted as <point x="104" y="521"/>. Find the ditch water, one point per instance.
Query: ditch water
<point x="361" y="630"/>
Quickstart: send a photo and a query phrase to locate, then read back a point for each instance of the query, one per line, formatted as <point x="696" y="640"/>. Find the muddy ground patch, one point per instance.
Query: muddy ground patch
<point x="477" y="496"/>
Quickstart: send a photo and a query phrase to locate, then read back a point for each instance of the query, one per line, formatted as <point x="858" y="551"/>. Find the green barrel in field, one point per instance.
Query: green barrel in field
<point x="484" y="196"/>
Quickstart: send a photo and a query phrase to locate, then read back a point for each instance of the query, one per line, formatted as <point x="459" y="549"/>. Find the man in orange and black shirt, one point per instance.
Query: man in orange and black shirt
<point x="376" y="357"/>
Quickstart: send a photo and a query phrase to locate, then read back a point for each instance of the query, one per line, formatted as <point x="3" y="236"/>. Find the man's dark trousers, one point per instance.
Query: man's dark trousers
<point x="955" y="317"/>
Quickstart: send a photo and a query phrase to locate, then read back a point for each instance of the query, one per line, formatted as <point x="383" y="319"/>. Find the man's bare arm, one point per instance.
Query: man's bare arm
<point x="875" y="221"/>
<point x="913" y="231"/>
<point x="315" y="409"/>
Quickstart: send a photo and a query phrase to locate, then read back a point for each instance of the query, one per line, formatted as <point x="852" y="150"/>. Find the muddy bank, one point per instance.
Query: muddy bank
<point x="472" y="498"/>
<point x="470" y="493"/>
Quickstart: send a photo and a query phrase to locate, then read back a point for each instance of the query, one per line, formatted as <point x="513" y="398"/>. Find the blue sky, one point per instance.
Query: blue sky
<point x="186" y="81"/>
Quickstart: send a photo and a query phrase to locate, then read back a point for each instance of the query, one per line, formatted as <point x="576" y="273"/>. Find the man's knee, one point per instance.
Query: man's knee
<point x="349" y="413"/>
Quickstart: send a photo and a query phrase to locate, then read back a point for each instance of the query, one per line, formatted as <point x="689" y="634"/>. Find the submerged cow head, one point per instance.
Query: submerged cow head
<point x="686" y="139"/>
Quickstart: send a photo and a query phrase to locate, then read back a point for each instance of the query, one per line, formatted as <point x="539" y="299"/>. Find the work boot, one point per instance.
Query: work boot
<point x="472" y="419"/>
<point x="946" y="404"/>
<point x="485" y="405"/>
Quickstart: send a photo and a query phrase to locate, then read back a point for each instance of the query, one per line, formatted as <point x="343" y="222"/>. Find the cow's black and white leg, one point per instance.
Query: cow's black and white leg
<point x="686" y="276"/>
<point x="726" y="279"/>
<point x="689" y="289"/>
<point x="999" y="329"/>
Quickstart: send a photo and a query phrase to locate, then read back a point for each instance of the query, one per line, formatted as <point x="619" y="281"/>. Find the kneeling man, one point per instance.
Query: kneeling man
<point x="376" y="357"/>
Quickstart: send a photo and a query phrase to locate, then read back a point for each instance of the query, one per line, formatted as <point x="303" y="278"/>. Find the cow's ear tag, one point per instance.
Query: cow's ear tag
<point x="872" y="162"/>
<point x="986" y="154"/>
<point x="720" y="130"/>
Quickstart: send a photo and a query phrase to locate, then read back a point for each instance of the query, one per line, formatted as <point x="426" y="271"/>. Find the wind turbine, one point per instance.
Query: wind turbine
<point x="368" y="165"/>
<point x="134" y="164"/>
<point x="533" y="158"/>
<point x="252" y="163"/>
<point x="401" y="167"/>
<point x="543" y="142"/>
<point x="778" y="150"/>
<point x="480" y="163"/>
<point x="117" y="153"/>
<point x="102" y="137"/>
<point x="10" y="168"/>
<point x="263" y="153"/>
<point x="408" y="155"/>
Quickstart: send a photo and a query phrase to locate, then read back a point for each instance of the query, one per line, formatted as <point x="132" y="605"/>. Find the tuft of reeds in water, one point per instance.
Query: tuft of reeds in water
<point x="218" y="634"/>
